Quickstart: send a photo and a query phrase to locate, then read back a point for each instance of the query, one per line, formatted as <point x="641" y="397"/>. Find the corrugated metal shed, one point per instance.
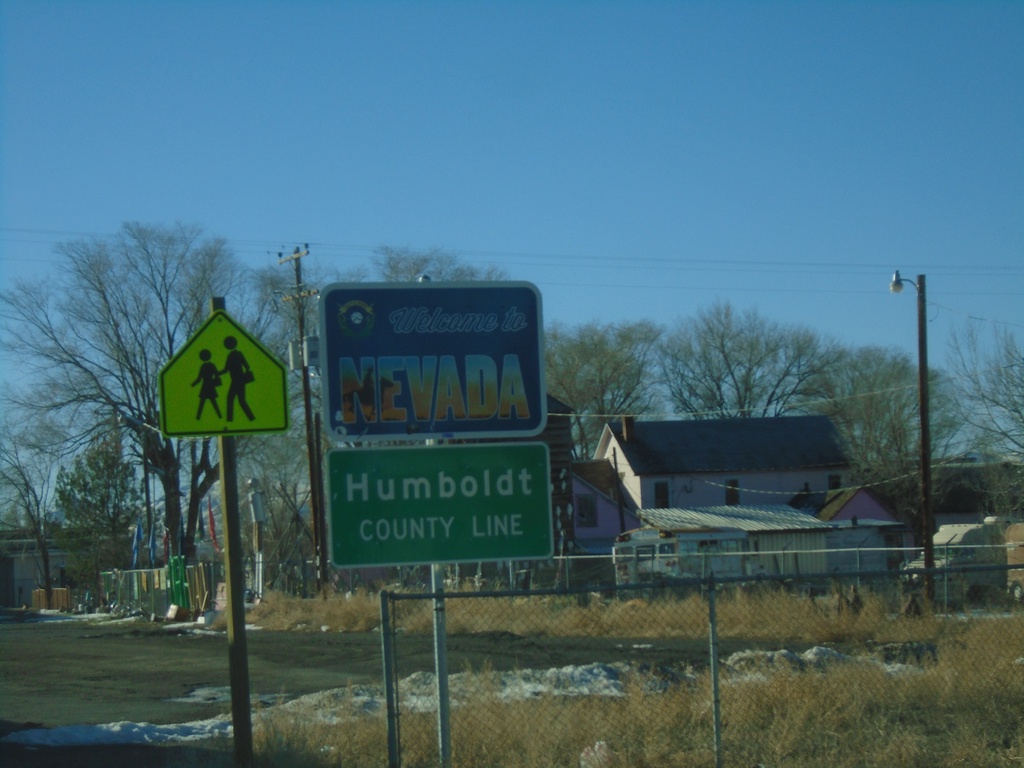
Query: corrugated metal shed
<point x="782" y="540"/>
<point x="749" y="518"/>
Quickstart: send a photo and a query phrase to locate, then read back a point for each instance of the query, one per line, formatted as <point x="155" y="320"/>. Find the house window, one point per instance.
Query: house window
<point x="732" y="492"/>
<point x="835" y="482"/>
<point x="661" y="500"/>
<point x="586" y="511"/>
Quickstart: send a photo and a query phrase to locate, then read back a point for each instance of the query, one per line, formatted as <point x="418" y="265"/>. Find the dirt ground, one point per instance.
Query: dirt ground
<point x="55" y="673"/>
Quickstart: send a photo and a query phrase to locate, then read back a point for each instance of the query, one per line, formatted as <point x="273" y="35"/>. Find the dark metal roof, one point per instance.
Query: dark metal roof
<point x="731" y="445"/>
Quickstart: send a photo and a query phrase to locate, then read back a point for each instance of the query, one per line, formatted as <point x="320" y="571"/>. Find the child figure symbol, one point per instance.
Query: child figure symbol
<point x="208" y="381"/>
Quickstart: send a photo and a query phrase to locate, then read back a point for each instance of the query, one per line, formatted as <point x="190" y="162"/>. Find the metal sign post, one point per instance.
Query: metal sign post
<point x="238" y="653"/>
<point x="444" y="720"/>
<point x="224" y="382"/>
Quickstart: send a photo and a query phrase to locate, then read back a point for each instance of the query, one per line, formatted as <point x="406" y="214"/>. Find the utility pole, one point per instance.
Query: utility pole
<point x="312" y="450"/>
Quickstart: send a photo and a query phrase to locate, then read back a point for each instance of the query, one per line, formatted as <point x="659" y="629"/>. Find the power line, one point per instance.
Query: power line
<point x="267" y="248"/>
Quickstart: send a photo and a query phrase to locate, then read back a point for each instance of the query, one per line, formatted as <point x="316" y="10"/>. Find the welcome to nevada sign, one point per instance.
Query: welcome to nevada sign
<point x="432" y="360"/>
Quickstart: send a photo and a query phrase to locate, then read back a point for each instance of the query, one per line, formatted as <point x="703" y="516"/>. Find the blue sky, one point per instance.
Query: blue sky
<point x="635" y="160"/>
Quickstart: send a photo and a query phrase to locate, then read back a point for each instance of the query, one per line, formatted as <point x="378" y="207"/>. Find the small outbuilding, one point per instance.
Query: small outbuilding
<point x="866" y="536"/>
<point x="780" y="539"/>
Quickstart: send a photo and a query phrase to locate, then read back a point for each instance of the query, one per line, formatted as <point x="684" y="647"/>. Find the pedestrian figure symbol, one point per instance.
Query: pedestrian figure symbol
<point x="209" y="379"/>
<point x="204" y="388"/>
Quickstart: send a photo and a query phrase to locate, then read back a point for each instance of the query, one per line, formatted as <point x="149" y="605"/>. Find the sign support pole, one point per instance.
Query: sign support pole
<point x="238" y="654"/>
<point x="444" y="719"/>
<point x="444" y="724"/>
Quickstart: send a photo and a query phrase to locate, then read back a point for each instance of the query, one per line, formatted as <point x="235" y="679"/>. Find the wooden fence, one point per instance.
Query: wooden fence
<point x="60" y="599"/>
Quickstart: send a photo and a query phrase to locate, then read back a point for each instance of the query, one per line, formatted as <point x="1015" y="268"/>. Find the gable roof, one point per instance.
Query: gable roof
<point x="557" y="406"/>
<point x="598" y="474"/>
<point x="808" y="499"/>
<point x="765" y="517"/>
<point x="729" y="445"/>
<point x="835" y="502"/>
<point x="838" y="500"/>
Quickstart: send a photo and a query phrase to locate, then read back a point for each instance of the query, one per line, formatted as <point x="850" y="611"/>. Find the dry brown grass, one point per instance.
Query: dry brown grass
<point x="961" y="708"/>
<point x="753" y="615"/>
<point x="353" y="612"/>
<point x="852" y="715"/>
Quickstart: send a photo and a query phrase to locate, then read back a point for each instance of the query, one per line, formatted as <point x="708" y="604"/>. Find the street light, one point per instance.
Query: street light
<point x="896" y="286"/>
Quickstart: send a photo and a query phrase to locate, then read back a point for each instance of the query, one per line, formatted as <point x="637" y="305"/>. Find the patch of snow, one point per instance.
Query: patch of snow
<point x="221" y="695"/>
<point x="418" y="693"/>
<point x="821" y="657"/>
<point x="121" y="733"/>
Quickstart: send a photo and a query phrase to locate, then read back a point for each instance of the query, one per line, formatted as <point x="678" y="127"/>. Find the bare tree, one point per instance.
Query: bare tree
<point x="724" y="364"/>
<point x="991" y="388"/>
<point x="281" y="470"/>
<point x="91" y="345"/>
<point x="871" y="395"/>
<point x="398" y="265"/>
<point x="990" y="392"/>
<point x="28" y="462"/>
<point x="601" y="371"/>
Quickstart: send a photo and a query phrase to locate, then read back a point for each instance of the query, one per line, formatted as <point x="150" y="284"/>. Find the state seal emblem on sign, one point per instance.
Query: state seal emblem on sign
<point x="356" y="319"/>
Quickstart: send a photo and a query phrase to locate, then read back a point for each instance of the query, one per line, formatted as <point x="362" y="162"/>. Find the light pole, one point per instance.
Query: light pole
<point x="258" y="508"/>
<point x="896" y="286"/>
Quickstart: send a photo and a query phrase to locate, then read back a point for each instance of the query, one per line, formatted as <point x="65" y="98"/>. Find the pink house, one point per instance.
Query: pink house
<point x="858" y="504"/>
<point x="598" y="514"/>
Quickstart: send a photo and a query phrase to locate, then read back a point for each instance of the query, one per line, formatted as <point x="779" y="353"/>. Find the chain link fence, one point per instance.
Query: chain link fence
<point x="798" y="671"/>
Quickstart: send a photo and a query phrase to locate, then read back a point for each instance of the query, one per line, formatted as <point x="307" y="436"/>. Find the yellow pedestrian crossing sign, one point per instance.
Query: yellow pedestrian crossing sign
<point x="223" y="382"/>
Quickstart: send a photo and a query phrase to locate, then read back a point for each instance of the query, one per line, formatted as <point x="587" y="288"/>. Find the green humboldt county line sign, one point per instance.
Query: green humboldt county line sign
<point x="439" y="504"/>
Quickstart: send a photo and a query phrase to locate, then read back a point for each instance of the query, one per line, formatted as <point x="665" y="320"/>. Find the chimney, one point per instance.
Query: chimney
<point x="628" y="428"/>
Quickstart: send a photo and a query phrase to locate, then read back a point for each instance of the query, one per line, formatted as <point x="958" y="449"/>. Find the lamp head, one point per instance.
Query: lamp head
<point x="896" y="286"/>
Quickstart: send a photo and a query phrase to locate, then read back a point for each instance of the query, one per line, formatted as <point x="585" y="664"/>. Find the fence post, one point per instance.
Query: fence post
<point x="390" y="683"/>
<point x="713" y="660"/>
<point x="444" y="726"/>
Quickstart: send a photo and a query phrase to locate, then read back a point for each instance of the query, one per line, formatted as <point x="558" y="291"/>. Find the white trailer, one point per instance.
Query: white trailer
<point x="965" y="545"/>
<point x="647" y="555"/>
